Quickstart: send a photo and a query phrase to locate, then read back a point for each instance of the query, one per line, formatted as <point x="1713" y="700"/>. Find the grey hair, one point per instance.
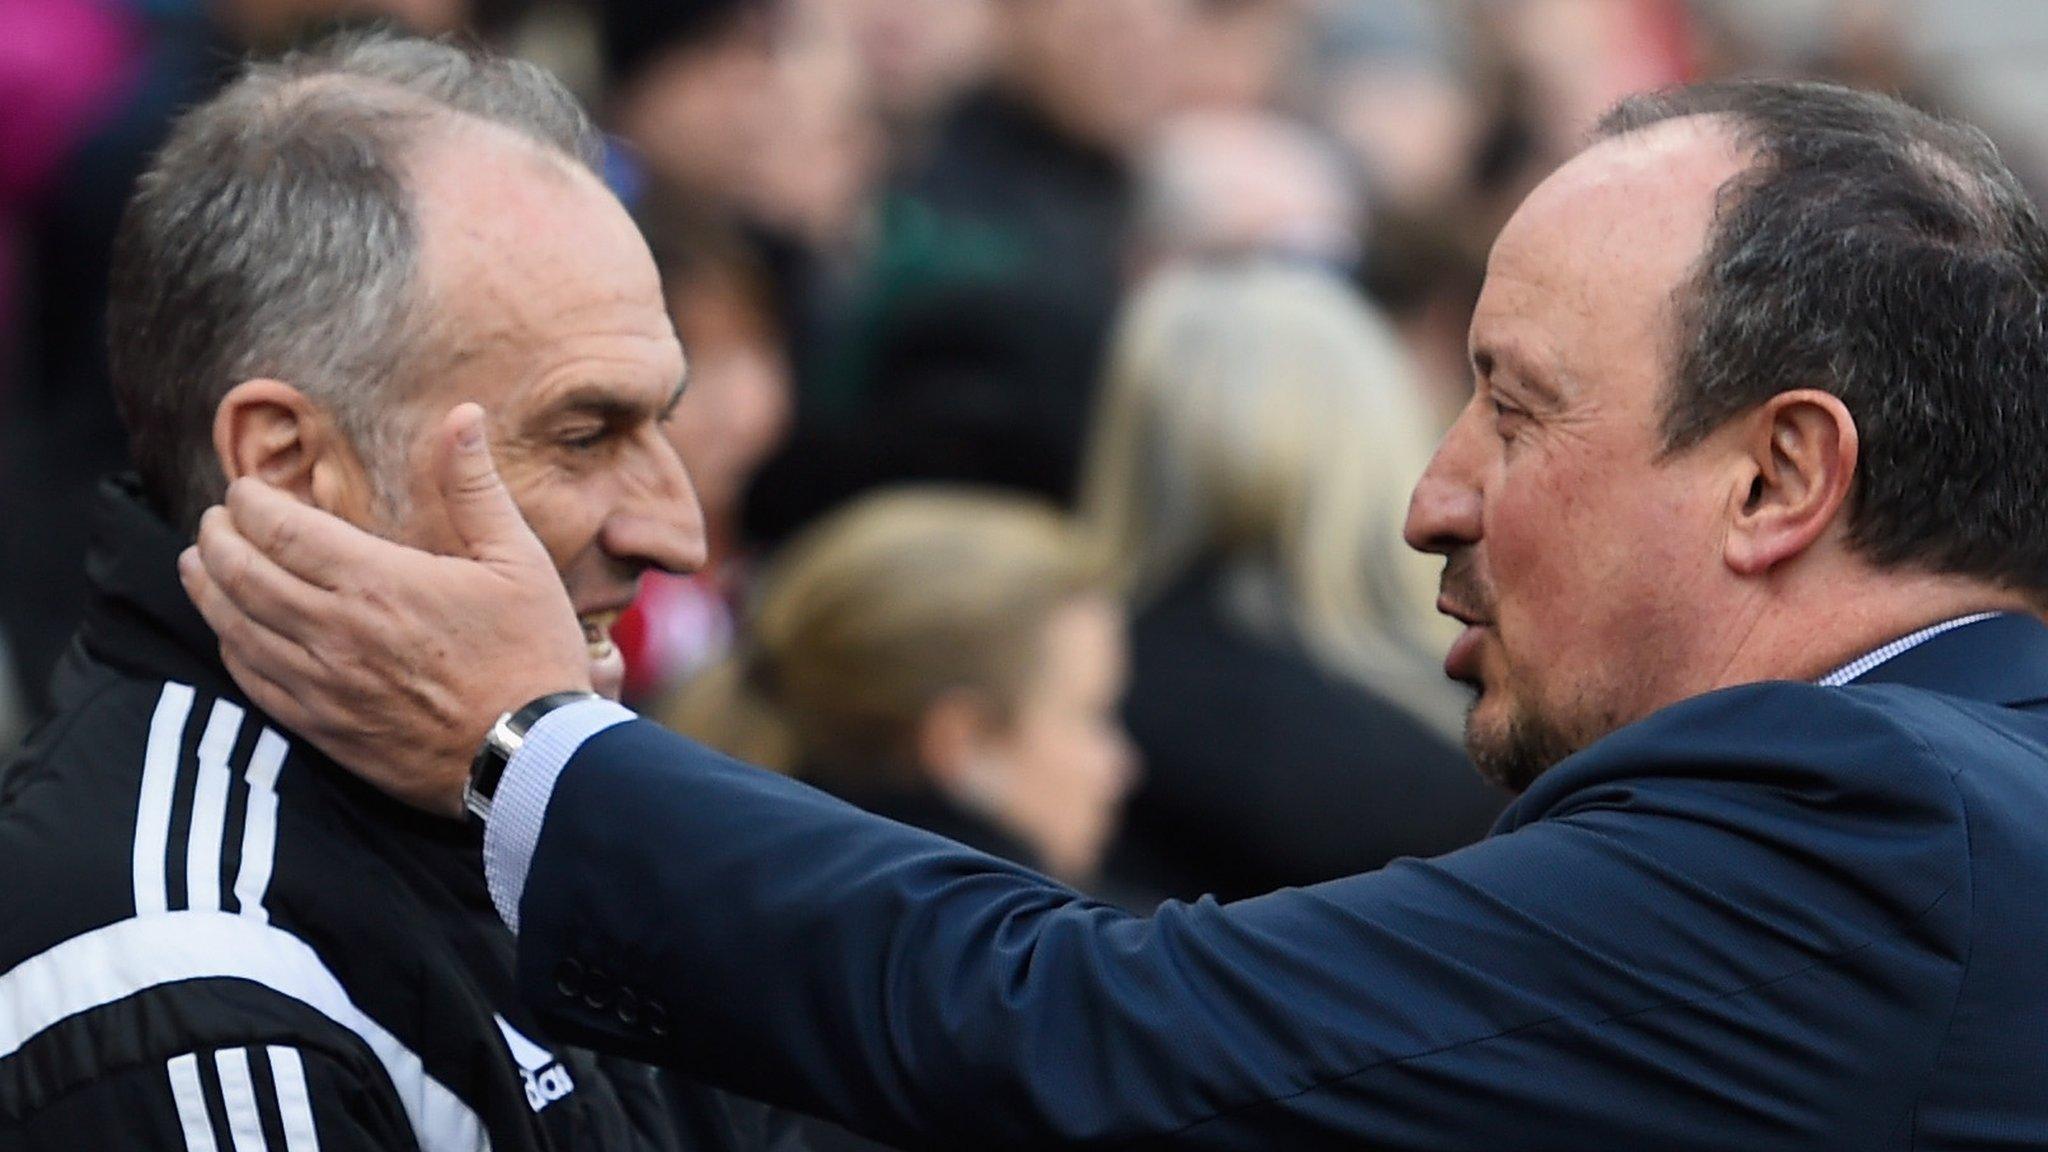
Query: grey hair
<point x="274" y="236"/>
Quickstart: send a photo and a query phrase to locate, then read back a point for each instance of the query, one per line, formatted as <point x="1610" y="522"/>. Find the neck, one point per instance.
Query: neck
<point x="1805" y="633"/>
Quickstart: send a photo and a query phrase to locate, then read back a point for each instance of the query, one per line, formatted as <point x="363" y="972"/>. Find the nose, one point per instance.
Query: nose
<point x="1444" y="511"/>
<point x="657" y="521"/>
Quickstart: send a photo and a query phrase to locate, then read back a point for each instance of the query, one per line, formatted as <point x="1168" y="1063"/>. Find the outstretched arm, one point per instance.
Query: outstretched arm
<point x="1663" y="960"/>
<point x="1657" y="962"/>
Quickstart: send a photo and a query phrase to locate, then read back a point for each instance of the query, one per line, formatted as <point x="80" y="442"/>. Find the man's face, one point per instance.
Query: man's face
<point x="1585" y="563"/>
<point x="549" y="313"/>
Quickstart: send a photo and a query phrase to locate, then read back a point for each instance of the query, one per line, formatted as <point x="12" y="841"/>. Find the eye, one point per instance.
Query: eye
<point x="1507" y="418"/>
<point x="583" y="438"/>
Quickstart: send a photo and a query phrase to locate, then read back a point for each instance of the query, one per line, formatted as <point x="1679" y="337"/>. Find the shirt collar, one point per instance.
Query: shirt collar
<point x="1870" y="660"/>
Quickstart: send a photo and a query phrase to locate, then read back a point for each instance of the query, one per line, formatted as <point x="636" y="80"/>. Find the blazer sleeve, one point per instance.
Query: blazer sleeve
<point x="1737" y="925"/>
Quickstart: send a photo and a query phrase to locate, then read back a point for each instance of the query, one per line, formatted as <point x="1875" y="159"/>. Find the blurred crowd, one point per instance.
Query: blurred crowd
<point x="1058" y="371"/>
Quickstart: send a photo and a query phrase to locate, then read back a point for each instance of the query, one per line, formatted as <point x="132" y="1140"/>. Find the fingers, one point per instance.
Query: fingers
<point x="269" y="697"/>
<point x="477" y="503"/>
<point x="252" y="583"/>
<point x="258" y="657"/>
<point x="311" y="544"/>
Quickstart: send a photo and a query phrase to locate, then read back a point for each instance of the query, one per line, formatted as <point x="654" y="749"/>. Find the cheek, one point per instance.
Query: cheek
<point x="1586" y="567"/>
<point x="1563" y="554"/>
<point x="1539" y="554"/>
<point x="566" y="514"/>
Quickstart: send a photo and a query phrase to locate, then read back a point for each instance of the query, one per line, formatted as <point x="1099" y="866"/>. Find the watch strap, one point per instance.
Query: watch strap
<point x="502" y="742"/>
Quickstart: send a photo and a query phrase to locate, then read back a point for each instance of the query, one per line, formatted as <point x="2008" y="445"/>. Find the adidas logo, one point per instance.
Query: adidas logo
<point x="547" y="1080"/>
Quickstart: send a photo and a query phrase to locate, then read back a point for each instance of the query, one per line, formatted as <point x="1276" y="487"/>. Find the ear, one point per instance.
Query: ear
<point x="953" y="738"/>
<point x="270" y="430"/>
<point x="1799" y="464"/>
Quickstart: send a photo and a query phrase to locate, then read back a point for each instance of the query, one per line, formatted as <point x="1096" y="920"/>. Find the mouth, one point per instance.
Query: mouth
<point x="1462" y="615"/>
<point x="1461" y="663"/>
<point x="597" y="632"/>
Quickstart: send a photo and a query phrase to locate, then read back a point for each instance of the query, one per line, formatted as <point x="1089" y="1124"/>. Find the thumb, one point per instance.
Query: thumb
<point x="478" y="506"/>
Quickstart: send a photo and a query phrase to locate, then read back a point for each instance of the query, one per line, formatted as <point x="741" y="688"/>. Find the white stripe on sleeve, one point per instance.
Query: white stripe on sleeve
<point x="129" y="956"/>
<point x="259" y="825"/>
<point x="191" y="1100"/>
<point x="210" y="808"/>
<point x="238" y="1093"/>
<point x="153" y="809"/>
<point x="294" y="1102"/>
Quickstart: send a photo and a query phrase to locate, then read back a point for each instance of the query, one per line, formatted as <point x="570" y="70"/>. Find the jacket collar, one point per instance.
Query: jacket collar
<point x="140" y="618"/>
<point x="2000" y="660"/>
<point x="142" y="622"/>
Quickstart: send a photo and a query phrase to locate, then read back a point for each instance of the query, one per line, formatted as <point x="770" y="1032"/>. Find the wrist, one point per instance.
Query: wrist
<point x="503" y="741"/>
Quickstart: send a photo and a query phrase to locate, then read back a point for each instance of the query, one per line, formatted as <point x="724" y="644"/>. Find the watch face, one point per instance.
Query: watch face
<point x="502" y="743"/>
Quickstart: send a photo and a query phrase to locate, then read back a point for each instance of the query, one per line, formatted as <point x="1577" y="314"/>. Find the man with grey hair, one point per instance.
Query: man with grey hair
<point x="1747" y="526"/>
<point x="210" y="937"/>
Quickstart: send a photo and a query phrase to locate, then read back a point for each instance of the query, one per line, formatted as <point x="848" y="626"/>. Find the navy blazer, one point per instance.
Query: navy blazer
<point x="1774" y="916"/>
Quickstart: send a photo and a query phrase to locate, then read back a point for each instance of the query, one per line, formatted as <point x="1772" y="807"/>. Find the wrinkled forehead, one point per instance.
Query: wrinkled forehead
<point x="496" y="213"/>
<point x="525" y="259"/>
<point x="1591" y="261"/>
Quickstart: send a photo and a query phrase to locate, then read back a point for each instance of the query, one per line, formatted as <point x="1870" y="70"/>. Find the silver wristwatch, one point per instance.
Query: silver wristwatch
<point x="504" y="739"/>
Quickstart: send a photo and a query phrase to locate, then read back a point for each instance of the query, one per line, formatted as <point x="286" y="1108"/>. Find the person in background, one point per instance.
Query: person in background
<point x="1396" y="85"/>
<point x="734" y="412"/>
<point x="974" y="340"/>
<point x="1240" y="55"/>
<point x="816" y="177"/>
<point x="756" y="114"/>
<point x="946" y="658"/>
<point x="64" y="67"/>
<point x="690" y="89"/>
<point x="1228" y="185"/>
<point x="1247" y="479"/>
<point x="919" y="56"/>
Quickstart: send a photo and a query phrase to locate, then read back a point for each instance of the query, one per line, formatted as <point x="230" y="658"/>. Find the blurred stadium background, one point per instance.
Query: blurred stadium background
<point x="898" y="237"/>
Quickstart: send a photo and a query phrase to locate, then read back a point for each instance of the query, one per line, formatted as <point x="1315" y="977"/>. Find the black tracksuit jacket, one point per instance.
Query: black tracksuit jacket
<point x="214" y="940"/>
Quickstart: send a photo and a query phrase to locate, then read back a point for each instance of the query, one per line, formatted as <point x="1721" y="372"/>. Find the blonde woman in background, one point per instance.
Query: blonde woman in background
<point x="946" y="658"/>
<point x="1248" y="476"/>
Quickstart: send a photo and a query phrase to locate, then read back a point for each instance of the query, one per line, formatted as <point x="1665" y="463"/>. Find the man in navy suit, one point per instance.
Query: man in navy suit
<point x="1748" y="521"/>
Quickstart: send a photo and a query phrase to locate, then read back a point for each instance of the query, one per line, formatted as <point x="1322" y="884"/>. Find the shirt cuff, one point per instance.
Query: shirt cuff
<point x="513" y="831"/>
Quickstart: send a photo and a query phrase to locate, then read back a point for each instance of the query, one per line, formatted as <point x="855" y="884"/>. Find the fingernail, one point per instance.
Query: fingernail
<point x="471" y="438"/>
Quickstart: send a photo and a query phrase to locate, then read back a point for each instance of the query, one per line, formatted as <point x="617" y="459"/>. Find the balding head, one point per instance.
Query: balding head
<point x="275" y="236"/>
<point x="1617" y="232"/>
<point x="1761" y="381"/>
<point x="1890" y="258"/>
